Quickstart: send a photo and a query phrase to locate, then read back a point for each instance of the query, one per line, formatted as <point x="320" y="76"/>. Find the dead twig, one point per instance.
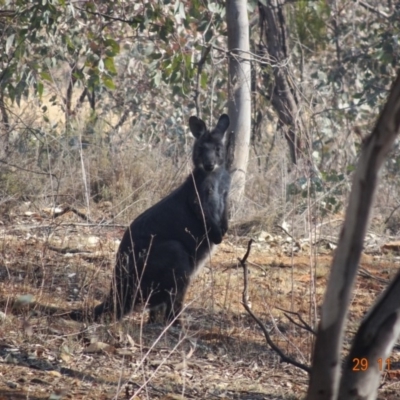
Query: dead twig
<point x="391" y="214"/>
<point x="200" y="65"/>
<point x="274" y="347"/>
<point x="373" y="9"/>
<point x="365" y="274"/>
<point x="75" y="211"/>
<point x="62" y="225"/>
<point x="70" y="250"/>
<point x="303" y="324"/>
<point x="296" y="242"/>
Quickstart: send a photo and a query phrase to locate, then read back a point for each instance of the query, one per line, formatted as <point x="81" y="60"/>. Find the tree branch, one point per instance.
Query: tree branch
<point x="200" y="65"/>
<point x="373" y="9"/>
<point x="29" y="170"/>
<point x="245" y="302"/>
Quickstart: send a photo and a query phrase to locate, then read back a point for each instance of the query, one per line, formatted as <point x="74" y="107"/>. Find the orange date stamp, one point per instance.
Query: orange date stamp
<point x="361" y="364"/>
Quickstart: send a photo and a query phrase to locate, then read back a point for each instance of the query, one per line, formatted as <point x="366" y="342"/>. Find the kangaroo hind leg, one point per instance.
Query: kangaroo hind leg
<point x="168" y="271"/>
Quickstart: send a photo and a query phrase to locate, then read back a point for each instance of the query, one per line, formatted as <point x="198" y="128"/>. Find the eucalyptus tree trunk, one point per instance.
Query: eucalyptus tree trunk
<point x="239" y="104"/>
<point x="280" y="90"/>
<point x="373" y="344"/>
<point x="380" y="329"/>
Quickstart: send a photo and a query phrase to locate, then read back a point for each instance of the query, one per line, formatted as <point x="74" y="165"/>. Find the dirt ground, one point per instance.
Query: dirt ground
<point x="51" y="265"/>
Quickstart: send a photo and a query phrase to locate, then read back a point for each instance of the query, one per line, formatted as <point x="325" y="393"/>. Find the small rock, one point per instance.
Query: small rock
<point x="12" y="385"/>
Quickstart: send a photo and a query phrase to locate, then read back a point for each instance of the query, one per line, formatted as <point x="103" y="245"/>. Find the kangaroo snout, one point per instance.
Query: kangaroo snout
<point x="210" y="166"/>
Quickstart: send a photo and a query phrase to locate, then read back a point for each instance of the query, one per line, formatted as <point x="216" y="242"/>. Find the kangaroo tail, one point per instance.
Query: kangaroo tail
<point x="94" y="315"/>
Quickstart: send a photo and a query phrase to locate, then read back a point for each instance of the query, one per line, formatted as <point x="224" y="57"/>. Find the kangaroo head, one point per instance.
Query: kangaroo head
<point x="208" y="149"/>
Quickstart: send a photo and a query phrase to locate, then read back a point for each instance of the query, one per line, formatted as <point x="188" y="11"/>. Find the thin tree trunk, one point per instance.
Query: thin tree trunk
<point x="5" y="141"/>
<point x="239" y="105"/>
<point x="281" y="92"/>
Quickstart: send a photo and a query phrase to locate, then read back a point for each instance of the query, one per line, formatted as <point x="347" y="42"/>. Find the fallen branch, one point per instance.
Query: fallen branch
<point x="67" y="224"/>
<point x="75" y="211"/>
<point x="66" y="250"/>
<point x="365" y="274"/>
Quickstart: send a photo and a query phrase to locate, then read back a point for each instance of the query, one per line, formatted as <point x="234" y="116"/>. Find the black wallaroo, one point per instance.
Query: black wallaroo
<point x="164" y="247"/>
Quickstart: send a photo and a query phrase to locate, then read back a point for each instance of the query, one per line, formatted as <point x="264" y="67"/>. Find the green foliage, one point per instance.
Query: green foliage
<point x="89" y="37"/>
<point x="361" y="61"/>
<point x="310" y="18"/>
<point x="327" y="189"/>
<point x="43" y="35"/>
<point x="349" y="54"/>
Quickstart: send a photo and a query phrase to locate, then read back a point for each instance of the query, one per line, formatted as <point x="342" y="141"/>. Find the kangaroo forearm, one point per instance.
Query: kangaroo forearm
<point x="215" y="233"/>
<point x="224" y="220"/>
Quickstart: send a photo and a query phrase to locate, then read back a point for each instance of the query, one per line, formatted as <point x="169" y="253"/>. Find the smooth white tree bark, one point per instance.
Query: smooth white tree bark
<point x="239" y="104"/>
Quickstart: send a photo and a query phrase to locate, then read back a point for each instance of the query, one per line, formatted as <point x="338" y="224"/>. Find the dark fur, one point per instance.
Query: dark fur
<point x="164" y="246"/>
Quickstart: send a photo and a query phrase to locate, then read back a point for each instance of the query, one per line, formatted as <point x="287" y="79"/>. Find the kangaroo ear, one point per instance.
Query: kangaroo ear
<point x="197" y="127"/>
<point x="222" y="125"/>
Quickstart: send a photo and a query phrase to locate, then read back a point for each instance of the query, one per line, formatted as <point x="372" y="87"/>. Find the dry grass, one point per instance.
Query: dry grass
<point x="220" y="353"/>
